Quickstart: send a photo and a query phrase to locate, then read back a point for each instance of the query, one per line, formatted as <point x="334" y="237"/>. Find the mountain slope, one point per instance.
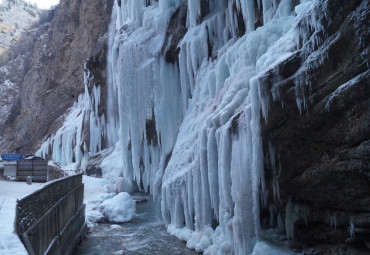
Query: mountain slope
<point x="15" y="18"/>
<point x="76" y="31"/>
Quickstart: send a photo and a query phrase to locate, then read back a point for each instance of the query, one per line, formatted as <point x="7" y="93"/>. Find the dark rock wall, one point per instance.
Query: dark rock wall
<point x="54" y="81"/>
<point x="175" y="32"/>
<point x="322" y="156"/>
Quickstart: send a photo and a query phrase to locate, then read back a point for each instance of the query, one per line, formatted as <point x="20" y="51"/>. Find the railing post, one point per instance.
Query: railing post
<point x="57" y="221"/>
<point x="47" y="171"/>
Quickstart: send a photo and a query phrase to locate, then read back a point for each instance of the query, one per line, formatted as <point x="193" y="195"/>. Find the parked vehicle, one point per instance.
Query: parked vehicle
<point x="32" y="157"/>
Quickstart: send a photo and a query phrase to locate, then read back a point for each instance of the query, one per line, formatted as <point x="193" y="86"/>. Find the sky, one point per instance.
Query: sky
<point x="44" y="4"/>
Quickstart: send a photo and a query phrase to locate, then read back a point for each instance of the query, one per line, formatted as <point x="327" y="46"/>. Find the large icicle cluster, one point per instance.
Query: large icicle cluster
<point x="191" y="132"/>
<point x="216" y="168"/>
<point x="147" y="91"/>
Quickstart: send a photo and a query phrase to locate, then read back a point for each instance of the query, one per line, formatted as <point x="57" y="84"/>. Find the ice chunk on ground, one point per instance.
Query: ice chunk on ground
<point x="120" y="208"/>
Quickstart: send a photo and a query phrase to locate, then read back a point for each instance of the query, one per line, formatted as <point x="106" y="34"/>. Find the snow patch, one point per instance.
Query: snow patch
<point x="10" y="192"/>
<point x="343" y="88"/>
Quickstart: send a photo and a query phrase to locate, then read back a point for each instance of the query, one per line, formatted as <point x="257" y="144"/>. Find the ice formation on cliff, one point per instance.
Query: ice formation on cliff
<point x="68" y="146"/>
<point x="189" y="132"/>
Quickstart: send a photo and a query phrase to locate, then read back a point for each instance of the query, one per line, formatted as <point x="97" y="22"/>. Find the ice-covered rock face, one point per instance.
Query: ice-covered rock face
<point x="190" y="130"/>
<point x="188" y="98"/>
<point x="82" y="131"/>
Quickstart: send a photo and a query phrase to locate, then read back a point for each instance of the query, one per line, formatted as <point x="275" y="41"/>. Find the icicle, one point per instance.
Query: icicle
<point x="351" y="228"/>
<point x="289" y="220"/>
<point x="333" y="221"/>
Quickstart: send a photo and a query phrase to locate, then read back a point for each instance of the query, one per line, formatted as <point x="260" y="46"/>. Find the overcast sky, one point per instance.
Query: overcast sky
<point x="44" y="4"/>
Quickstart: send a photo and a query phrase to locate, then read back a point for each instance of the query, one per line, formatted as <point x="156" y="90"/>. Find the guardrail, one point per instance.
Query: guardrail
<point x="69" y="172"/>
<point x="52" y="220"/>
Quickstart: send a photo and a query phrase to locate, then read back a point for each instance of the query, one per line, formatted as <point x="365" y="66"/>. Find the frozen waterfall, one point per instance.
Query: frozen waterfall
<point x="188" y="132"/>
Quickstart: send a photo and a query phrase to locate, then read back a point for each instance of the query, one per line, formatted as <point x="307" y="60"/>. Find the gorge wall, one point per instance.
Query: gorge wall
<point x="16" y="17"/>
<point x="245" y="119"/>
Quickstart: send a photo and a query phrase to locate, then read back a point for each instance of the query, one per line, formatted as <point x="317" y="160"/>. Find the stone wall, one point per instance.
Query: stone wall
<point x="51" y="220"/>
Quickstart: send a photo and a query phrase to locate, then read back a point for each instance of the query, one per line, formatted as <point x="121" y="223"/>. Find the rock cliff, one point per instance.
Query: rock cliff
<point x="77" y="31"/>
<point x="319" y="158"/>
<point x="16" y="16"/>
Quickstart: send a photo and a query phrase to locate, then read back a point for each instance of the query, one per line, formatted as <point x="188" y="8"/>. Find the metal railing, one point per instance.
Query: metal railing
<point x="34" y="206"/>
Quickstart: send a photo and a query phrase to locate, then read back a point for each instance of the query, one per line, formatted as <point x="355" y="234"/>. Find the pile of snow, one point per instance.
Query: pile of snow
<point x="95" y="193"/>
<point x="120" y="208"/>
<point x="103" y="205"/>
<point x="199" y="241"/>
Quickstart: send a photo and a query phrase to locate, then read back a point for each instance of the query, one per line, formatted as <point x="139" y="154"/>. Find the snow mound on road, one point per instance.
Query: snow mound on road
<point x="120" y="208"/>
